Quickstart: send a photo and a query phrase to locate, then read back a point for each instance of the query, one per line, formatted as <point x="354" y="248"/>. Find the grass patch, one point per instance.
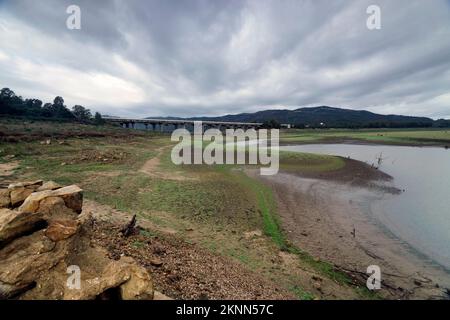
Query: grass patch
<point x="300" y="293"/>
<point x="388" y="136"/>
<point x="308" y="162"/>
<point x="267" y="206"/>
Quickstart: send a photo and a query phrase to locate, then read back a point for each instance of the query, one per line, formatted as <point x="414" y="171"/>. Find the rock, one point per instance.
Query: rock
<point x="61" y="229"/>
<point x="104" y="278"/>
<point x="173" y="277"/>
<point x="317" y="286"/>
<point x="160" y="296"/>
<point x="156" y="262"/>
<point x="18" y="195"/>
<point x="36" y="259"/>
<point x="23" y="260"/>
<point x="15" y="223"/>
<point x="158" y="248"/>
<point x="72" y="196"/>
<point x="55" y="208"/>
<point x="316" y="278"/>
<point x="9" y="291"/>
<point x="5" y="200"/>
<point x="49" y="185"/>
<point x="417" y="282"/>
<point x="20" y="191"/>
<point x="27" y="184"/>
<point x="139" y="286"/>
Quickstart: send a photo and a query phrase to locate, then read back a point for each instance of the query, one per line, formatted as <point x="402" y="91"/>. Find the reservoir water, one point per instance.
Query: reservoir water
<point x="420" y="215"/>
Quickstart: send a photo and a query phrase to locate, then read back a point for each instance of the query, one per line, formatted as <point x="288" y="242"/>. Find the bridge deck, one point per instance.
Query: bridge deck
<point x="180" y="121"/>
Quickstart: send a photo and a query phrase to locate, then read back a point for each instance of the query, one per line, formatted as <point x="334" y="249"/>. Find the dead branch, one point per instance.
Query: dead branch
<point x="130" y="228"/>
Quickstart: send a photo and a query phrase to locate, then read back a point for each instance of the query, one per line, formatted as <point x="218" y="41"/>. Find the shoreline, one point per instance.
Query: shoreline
<point x="419" y="144"/>
<point x="320" y="213"/>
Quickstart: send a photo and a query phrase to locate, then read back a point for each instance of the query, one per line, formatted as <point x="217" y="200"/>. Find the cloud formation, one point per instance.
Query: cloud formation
<point x="204" y="57"/>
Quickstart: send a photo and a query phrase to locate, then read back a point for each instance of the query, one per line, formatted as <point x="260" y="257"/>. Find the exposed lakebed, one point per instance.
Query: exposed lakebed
<point x="420" y="214"/>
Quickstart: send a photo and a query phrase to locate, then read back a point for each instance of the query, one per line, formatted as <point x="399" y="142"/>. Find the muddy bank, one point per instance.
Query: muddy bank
<point x="354" y="173"/>
<point x="330" y="217"/>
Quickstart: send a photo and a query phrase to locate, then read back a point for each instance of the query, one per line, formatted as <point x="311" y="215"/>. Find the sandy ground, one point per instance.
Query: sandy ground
<point x="331" y="220"/>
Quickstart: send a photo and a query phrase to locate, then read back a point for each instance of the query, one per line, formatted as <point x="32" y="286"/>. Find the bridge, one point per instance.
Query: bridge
<point x="164" y="125"/>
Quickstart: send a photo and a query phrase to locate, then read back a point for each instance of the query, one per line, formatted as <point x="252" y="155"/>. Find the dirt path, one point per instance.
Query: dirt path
<point x="151" y="168"/>
<point x="320" y="217"/>
<point x="7" y="169"/>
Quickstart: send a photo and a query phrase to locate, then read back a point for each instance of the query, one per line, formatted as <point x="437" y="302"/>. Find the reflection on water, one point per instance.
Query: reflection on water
<point x="421" y="214"/>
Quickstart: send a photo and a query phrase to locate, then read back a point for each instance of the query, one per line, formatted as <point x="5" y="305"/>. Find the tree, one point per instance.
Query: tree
<point x="33" y="107"/>
<point x="271" y="124"/>
<point x="57" y="109"/>
<point x="10" y="103"/>
<point x="81" y="113"/>
<point x="98" y="119"/>
<point x="47" y="110"/>
<point x="7" y="93"/>
<point x="58" y="101"/>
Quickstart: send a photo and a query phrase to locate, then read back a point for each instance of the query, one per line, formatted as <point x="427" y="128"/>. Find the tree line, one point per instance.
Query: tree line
<point x="14" y="105"/>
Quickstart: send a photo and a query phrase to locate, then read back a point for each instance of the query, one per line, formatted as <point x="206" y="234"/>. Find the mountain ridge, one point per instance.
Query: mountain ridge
<point x="325" y="116"/>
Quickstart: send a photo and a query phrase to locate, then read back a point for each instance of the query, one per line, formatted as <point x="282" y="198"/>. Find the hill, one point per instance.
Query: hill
<point x="325" y="116"/>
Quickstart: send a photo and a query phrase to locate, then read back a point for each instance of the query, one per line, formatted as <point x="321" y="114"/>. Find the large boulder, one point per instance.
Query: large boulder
<point x="14" y="224"/>
<point x="5" y="200"/>
<point x="44" y="238"/>
<point x="138" y="287"/>
<point x="49" y="185"/>
<point x="122" y="279"/>
<point x="26" y="184"/>
<point x="18" y="195"/>
<point x="55" y="208"/>
<point x="18" y="192"/>
<point x="61" y="229"/>
<point x="71" y="195"/>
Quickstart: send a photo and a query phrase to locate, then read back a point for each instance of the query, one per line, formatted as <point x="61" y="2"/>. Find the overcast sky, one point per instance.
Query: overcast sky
<point x="183" y="58"/>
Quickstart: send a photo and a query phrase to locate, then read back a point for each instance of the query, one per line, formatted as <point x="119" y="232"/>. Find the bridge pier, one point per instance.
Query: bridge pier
<point x="170" y="125"/>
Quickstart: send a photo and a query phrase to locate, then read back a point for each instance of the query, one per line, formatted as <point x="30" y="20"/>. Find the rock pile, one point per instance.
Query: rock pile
<point x="46" y="250"/>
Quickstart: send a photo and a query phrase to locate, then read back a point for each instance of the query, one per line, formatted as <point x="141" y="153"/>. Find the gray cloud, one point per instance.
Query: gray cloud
<point x="140" y="58"/>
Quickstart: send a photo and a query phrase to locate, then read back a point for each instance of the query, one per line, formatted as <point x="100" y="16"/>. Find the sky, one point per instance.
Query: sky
<point x="212" y="57"/>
